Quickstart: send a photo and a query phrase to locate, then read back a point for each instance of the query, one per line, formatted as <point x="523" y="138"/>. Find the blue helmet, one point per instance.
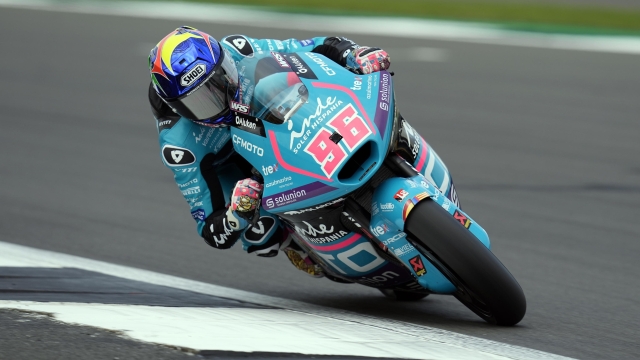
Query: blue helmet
<point x="195" y="76"/>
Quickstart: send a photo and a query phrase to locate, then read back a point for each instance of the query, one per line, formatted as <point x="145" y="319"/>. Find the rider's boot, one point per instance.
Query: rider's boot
<point x="300" y="259"/>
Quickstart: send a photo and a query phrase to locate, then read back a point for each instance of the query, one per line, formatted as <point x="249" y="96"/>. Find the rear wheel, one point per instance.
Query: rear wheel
<point x="400" y="295"/>
<point x="483" y="284"/>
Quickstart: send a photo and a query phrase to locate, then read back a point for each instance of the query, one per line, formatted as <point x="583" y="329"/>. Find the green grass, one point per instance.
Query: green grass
<point x="523" y="16"/>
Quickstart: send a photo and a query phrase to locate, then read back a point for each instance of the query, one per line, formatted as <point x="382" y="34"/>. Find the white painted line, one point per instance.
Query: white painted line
<point x="249" y="330"/>
<point x="396" y="27"/>
<point x="427" y="338"/>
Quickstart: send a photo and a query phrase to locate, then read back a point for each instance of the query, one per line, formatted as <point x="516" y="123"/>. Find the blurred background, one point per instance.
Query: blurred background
<point x="542" y="142"/>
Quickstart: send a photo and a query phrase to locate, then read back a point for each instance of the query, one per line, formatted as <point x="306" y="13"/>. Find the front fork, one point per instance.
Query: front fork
<point x="392" y="202"/>
<point x="412" y="147"/>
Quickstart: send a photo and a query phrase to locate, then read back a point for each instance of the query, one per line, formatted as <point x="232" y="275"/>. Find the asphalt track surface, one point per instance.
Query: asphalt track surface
<point x="543" y="146"/>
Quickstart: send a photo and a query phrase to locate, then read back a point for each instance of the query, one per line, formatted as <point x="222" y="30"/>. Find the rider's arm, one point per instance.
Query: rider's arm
<point x="335" y="48"/>
<point x="191" y="152"/>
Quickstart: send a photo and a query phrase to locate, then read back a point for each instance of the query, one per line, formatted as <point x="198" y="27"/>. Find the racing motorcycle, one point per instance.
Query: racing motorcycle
<point x="331" y="148"/>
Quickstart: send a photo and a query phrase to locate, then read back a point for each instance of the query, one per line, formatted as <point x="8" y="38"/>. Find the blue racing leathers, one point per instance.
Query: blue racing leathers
<point x="203" y="161"/>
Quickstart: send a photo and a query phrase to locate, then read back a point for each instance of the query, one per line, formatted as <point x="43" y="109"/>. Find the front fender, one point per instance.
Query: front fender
<point x="395" y="198"/>
<point x="392" y="202"/>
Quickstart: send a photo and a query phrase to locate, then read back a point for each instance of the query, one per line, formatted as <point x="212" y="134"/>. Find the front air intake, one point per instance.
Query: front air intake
<point x="358" y="164"/>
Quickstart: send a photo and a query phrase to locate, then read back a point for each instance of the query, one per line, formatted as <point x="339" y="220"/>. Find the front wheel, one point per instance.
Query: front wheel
<point x="483" y="284"/>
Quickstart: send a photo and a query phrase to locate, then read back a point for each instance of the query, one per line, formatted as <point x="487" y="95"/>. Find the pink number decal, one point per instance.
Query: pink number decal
<point x="350" y="126"/>
<point x="325" y="152"/>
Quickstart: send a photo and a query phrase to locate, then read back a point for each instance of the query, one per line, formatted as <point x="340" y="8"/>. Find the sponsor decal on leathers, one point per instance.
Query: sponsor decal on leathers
<point x="177" y="156"/>
<point x="165" y="124"/>
<point x="257" y="233"/>
<point x="198" y="215"/>
<point x="191" y="191"/>
<point x="280" y="59"/>
<point x="240" y="44"/>
<point x="241" y="108"/>
<point x="191" y="182"/>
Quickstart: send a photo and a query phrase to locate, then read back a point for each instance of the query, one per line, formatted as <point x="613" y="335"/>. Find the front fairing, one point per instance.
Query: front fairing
<point x="313" y="129"/>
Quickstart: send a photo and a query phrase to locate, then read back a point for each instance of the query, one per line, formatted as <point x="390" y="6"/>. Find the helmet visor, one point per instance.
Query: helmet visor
<point x="211" y="98"/>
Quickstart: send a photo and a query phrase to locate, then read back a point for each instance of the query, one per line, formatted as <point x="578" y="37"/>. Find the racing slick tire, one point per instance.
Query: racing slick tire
<point x="483" y="284"/>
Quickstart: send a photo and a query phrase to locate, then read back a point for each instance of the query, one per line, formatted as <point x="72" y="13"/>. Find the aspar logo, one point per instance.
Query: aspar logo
<point x="280" y="59"/>
<point x="248" y="146"/>
<point x="176" y="156"/>
<point x="357" y="83"/>
<point x="387" y="207"/>
<point x="320" y="62"/>
<point x="242" y="108"/>
<point x="322" y="206"/>
<point x="268" y="170"/>
<point x="194" y="74"/>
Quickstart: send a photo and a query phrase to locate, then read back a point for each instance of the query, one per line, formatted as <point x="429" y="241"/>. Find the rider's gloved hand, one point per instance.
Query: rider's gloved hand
<point x="366" y="60"/>
<point x="245" y="202"/>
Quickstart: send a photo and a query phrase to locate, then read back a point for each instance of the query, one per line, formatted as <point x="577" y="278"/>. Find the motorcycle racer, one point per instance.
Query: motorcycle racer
<point x="194" y="80"/>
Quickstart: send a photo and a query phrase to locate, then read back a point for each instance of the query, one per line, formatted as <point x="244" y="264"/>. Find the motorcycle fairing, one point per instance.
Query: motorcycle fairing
<point x="302" y="164"/>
